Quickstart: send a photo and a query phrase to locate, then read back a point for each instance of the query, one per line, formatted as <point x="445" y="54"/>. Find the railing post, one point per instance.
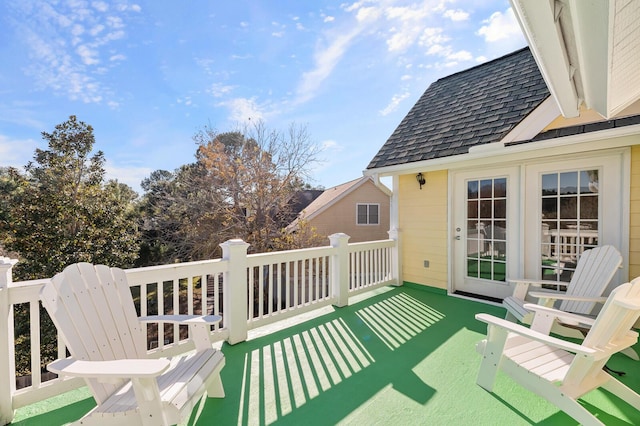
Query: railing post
<point x="236" y="305"/>
<point x="340" y="268"/>
<point x="7" y="350"/>
<point x="396" y="257"/>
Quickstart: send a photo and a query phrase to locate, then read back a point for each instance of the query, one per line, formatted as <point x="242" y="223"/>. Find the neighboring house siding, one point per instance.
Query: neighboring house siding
<point x="341" y="216"/>
<point x="634" y="212"/>
<point x="423" y="225"/>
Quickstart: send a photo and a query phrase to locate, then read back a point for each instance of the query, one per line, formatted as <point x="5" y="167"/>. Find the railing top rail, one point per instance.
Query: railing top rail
<point x="30" y="283"/>
<point x="289" y="255"/>
<point x="372" y="244"/>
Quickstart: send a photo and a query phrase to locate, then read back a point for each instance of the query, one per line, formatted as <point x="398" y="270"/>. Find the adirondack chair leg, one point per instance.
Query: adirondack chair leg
<point x="631" y="353"/>
<point x="214" y="385"/>
<point x="148" y="397"/>
<point x="491" y="357"/>
<point x="573" y="408"/>
<point x="551" y="393"/>
<point x="215" y="388"/>
<point x="617" y="388"/>
<point x="510" y="317"/>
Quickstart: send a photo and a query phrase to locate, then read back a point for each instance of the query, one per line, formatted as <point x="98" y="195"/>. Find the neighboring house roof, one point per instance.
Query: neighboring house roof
<point x="472" y="107"/>
<point x="328" y="198"/>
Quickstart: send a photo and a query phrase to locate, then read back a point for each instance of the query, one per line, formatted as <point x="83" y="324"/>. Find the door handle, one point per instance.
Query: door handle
<point x="458" y="237"/>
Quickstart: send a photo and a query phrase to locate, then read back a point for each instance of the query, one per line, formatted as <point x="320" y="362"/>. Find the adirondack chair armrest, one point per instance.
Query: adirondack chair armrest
<point x="109" y="370"/>
<point x="544" y="317"/>
<point x="183" y="319"/>
<point x="535" y="335"/>
<point x="199" y="326"/>
<point x="536" y="283"/>
<point x="553" y="295"/>
<point x="522" y="285"/>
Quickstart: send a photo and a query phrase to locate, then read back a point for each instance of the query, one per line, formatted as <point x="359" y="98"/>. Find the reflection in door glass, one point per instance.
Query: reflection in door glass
<point x="570" y="212"/>
<point x="487" y="229"/>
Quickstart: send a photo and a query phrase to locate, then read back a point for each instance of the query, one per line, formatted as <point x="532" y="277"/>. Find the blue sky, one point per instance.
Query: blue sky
<point x="148" y="74"/>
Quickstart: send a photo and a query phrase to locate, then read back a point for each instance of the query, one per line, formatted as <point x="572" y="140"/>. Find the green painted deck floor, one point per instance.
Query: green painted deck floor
<point x="404" y="356"/>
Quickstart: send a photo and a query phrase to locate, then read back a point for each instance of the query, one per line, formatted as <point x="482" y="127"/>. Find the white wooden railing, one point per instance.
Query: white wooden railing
<point x="248" y="291"/>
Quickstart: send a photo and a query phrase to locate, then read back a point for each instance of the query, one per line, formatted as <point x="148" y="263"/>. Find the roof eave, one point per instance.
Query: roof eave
<point x="539" y="22"/>
<point x="491" y="152"/>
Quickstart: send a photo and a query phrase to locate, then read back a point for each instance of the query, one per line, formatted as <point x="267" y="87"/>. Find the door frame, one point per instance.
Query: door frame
<point x="458" y="219"/>
<point x="616" y="163"/>
<point x="614" y="222"/>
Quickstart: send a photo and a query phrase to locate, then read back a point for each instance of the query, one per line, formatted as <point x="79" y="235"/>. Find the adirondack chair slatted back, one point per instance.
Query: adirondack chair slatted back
<point x="93" y="310"/>
<point x="618" y="315"/>
<point x="595" y="269"/>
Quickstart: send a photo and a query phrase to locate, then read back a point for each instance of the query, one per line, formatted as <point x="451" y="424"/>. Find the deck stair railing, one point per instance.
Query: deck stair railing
<point x="248" y="291"/>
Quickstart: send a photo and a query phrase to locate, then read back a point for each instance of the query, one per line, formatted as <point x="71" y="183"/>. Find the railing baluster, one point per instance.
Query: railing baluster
<point x="34" y="329"/>
<point x="176" y="309"/>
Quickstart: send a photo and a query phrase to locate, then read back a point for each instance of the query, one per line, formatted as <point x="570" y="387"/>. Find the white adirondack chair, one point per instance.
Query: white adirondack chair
<point x="595" y="269"/>
<point x="93" y="310"/>
<point x="558" y="370"/>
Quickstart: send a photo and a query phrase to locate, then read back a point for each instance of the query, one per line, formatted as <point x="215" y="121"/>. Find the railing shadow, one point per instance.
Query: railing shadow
<point x="320" y="371"/>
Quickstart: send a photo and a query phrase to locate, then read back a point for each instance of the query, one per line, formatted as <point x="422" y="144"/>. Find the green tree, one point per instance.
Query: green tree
<point x="62" y="211"/>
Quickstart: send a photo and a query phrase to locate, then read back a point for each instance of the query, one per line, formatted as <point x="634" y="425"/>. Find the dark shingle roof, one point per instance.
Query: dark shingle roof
<point x="582" y="128"/>
<point x="473" y="107"/>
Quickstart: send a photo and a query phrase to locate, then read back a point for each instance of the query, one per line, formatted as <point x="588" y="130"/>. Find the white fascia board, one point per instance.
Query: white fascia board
<point x="533" y="123"/>
<point x="604" y="139"/>
<point x="537" y="20"/>
<point x="593" y="35"/>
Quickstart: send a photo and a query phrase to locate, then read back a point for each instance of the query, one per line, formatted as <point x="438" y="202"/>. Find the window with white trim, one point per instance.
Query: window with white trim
<point x="368" y="214"/>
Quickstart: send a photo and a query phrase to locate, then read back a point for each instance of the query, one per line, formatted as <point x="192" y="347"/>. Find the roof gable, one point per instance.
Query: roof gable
<point x="473" y="107"/>
<point x="330" y="197"/>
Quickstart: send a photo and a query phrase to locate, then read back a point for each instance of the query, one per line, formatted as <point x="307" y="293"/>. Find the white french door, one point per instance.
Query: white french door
<point x="485" y="231"/>
<point x="535" y="219"/>
<point x="572" y="206"/>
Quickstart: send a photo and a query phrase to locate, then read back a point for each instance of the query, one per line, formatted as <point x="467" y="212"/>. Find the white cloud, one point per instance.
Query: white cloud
<point x="129" y="175"/>
<point x="278" y="34"/>
<point x="219" y="90"/>
<point x="368" y="14"/>
<point x="456" y="15"/>
<point x="400" y="41"/>
<point x="118" y="57"/>
<point x="414" y="13"/>
<point x="433" y="36"/>
<point x="16" y="152"/>
<point x="329" y="19"/>
<point x="500" y="26"/>
<point x="67" y="41"/>
<point x="395" y="102"/>
<point x="100" y="6"/>
<point x="331" y="145"/>
<point x="242" y="110"/>
<point x="461" y="55"/>
<point x="325" y="61"/>
<point x="88" y="56"/>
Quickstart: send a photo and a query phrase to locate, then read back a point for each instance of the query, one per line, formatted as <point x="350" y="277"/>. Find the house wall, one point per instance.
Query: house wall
<point x="423" y="222"/>
<point x="423" y="226"/>
<point x="341" y="216"/>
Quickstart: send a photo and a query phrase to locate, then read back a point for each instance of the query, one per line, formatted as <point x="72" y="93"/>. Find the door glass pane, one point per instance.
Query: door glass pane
<point x="487" y="229"/>
<point x="570" y="220"/>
